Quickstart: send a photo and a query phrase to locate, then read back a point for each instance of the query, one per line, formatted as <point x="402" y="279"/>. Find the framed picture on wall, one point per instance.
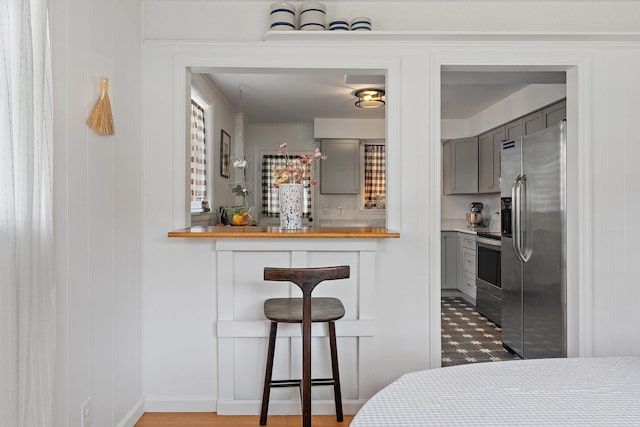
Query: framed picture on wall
<point x="225" y="153"/>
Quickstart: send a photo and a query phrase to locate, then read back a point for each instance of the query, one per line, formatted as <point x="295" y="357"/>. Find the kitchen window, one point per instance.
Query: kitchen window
<point x="198" y="153"/>
<point x="374" y="176"/>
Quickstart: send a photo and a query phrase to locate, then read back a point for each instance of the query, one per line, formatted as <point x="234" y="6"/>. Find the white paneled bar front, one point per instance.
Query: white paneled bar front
<point x="242" y="330"/>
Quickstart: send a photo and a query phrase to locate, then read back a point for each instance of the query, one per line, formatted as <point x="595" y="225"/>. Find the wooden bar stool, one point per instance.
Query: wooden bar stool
<point x="304" y="310"/>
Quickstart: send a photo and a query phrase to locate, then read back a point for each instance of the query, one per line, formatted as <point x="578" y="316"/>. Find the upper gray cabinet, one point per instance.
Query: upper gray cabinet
<point x="489" y="149"/>
<point x="472" y="165"/>
<point x="554" y="114"/>
<point x="524" y="125"/>
<point x="460" y="166"/>
<point x="340" y="171"/>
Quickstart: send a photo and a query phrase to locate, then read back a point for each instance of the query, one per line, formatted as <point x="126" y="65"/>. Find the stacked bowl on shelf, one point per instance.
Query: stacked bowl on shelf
<point x="361" y="23"/>
<point x="312" y="16"/>
<point x="282" y="16"/>
<point x="339" y="24"/>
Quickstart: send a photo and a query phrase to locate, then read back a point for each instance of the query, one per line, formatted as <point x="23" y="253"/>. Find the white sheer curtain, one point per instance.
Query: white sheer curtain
<point x="27" y="290"/>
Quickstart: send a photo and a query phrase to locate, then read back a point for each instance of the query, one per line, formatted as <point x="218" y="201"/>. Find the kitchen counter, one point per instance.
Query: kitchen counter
<point x="459" y="225"/>
<point x="240" y="232"/>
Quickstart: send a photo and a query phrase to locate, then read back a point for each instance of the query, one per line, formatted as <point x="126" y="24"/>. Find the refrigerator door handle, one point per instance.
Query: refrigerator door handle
<point x="515" y="197"/>
<point x="523" y="246"/>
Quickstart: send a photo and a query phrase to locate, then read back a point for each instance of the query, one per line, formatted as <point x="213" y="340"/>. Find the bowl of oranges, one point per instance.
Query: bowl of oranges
<point x="236" y="215"/>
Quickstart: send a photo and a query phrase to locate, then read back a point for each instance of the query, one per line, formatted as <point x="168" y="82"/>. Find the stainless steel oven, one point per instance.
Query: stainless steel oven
<point x="488" y="282"/>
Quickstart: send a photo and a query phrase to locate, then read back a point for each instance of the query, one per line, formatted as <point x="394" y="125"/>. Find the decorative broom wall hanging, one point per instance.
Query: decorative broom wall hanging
<point x="100" y="119"/>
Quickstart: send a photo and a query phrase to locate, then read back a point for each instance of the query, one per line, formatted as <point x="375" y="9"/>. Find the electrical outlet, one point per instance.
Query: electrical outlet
<point x="86" y="412"/>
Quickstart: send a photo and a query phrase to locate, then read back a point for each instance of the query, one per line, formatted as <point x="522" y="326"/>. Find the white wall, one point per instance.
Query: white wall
<point x="104" y="219"/>
<point x="349" y="128"/>
<point x="616" y="182"/>
<point x="98" y="197"/>
<point x="454" y="128"/>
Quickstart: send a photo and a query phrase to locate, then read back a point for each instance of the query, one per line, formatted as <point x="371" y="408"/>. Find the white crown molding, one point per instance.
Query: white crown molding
<point x="453" y="36"/>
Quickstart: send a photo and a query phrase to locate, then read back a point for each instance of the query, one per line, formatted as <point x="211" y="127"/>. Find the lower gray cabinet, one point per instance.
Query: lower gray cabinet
<point x="449" y="259"/>
<point x="467" y="264"/>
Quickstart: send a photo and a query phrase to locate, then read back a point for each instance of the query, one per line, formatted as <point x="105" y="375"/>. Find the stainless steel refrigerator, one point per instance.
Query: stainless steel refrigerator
<point x="533" y="192"/>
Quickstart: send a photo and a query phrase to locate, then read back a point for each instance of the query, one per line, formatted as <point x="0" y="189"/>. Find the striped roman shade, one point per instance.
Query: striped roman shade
<point x="198" y="154"/>
<point x="375" y="174"/>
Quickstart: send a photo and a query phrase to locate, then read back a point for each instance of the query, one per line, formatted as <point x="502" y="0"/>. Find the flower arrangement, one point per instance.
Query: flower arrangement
<point x="296" y="170"/>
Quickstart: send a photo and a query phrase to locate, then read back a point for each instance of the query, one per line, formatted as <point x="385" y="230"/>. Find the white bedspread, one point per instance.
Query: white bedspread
<point x="547" y="392"/>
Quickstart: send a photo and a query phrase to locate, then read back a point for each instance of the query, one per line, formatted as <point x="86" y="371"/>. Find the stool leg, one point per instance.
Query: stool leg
<point x="306" y="361"/>
<point x="267" y="375"/>
<point x="336" y="374"/>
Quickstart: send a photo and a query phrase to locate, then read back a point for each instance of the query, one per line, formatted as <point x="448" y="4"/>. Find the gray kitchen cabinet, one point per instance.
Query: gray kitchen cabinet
<point x="489" y="149"/>
<point x="554" y="114"/>
<point x="513" y="130"/>
<point x="467" y="265"/>
<point x="449" y="259"/>
<point x="460" y="166"/>
<point x="532" y="123"/>
<point x="340" y="171"/>
<point x="524" y="125"/>
<point x="472" y="165"/>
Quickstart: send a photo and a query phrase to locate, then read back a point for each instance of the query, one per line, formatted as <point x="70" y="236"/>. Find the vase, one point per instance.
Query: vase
<point x="291" y="197"/>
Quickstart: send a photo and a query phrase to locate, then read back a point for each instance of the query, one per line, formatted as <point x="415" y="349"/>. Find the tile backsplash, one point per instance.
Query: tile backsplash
<point x="455" y="207"/>
<point x="344" y="209"/>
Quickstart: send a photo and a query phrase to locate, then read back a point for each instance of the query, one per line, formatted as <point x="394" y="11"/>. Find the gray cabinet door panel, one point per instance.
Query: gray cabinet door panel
<point x="449" y="264"/>
<point x="489" y="149"/>
<point x="460" y="166"/>
<point x="524" y="126"/>
<point x="513" y="130"/>
<point x="532" y="123"/>
<point x="554" y="114"/>
<point x="340" y="171"/>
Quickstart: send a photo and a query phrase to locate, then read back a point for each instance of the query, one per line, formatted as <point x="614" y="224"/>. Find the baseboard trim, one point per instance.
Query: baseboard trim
<point x="133" y="416"/>
<point x="180" y="404"/>
<point x="236" y="407"/>
<point x="286" y="407"/>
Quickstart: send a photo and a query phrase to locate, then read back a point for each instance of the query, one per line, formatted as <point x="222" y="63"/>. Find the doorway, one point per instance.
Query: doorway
<point x="510" y="94"/>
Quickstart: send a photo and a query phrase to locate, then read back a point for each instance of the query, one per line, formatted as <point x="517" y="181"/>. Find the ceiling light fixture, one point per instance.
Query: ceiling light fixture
<point x="369" y="98"/>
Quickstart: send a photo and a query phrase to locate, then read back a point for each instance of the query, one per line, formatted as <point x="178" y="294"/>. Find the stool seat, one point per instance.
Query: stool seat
<point x="289" y="310"/>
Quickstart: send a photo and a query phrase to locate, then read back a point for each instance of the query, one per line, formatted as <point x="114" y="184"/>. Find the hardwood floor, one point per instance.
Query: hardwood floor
<point x="202" y="419"/>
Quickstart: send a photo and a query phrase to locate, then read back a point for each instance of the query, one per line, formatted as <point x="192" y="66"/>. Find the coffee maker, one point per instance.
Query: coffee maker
<point x="474" y="218"/>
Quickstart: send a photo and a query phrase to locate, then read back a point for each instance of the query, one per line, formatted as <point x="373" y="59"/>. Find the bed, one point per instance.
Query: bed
<point x="545" y="392"/>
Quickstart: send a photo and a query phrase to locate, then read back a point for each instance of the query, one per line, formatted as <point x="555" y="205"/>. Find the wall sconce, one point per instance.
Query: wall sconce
<point x="369" y="98"/>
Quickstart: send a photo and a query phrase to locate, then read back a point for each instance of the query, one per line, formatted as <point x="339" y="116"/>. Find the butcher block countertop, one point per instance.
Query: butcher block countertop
<point x="244" y="232"/>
